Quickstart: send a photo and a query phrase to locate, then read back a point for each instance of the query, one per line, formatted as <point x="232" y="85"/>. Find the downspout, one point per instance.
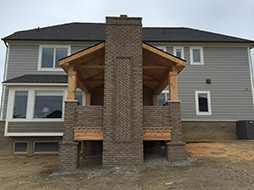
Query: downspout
<point x="251" y="72"/>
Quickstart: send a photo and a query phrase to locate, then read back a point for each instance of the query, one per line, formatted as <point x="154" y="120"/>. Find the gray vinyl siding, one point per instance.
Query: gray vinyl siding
<point x="5" y="102"/>
<point x="228" y="69"/>
<point x="23" y="59"/>
<point x="35" y="127"/>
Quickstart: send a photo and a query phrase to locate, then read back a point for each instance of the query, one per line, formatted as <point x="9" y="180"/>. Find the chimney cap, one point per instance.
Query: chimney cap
<point x="123" y="16"/>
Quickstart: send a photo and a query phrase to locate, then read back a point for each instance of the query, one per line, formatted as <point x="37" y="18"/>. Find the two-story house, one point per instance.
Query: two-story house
<point x="215" y="88"/>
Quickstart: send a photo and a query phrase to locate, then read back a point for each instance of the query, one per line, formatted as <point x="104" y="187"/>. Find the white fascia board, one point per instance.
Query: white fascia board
<point x="35" y="84"/>
<point x="33" y="134"/>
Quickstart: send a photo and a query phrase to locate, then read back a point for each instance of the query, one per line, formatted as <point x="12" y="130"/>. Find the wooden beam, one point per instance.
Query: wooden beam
<point x="82" y="53"/>
<point x="161" y="86"/>
<point x="172" y="84"/>
<point x="151" y="76"/>
<point x="96" y="133"/>
<point x="72" y="84"/>
<point x="88" y="98"/>
<point x="154" y="67"/>
<point x="155" y="100"/>
<point x="88" y="133"/>
<point x="157" y="133"/>
<point x="164" y="54"/>
<point x="92" y="66"/>
<point x="91" y="77"/>
<point x="82" y="86"/>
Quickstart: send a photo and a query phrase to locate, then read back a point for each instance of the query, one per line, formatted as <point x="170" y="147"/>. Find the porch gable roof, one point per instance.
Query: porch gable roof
<point x="89" y="65"/>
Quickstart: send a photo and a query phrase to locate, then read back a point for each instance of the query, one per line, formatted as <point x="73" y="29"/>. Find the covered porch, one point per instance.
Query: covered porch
<point x="86" y="71"/>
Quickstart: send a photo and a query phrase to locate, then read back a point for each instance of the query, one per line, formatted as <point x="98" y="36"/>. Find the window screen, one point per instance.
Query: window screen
<point x="196" y="56"/>
<point x="48" y="104"/>
<point x="79" y="97"/>
<point x="203" y="102"/>
<point x="60" y="53"/>
<point x="20" y="147"/>
<point x="179" y="53"/>
<point x="47" y="60"/>
<point x="46" y="147"/>
<point x="20" y="104"/>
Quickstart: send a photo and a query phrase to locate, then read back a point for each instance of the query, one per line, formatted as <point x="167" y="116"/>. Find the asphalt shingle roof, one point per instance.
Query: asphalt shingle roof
<point x="60" y="79"/>
<point x="96" y="32"/>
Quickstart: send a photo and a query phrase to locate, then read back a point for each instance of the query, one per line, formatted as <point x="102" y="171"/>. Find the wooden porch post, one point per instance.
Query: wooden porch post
<point x="72" y="84"/>
<point x="172" y="84"/>
<point x="155" y="100"/>
<point x="88" y="98"/>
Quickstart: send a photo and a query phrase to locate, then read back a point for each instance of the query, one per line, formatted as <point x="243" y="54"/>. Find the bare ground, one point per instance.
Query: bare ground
<point x="228" y="165"/>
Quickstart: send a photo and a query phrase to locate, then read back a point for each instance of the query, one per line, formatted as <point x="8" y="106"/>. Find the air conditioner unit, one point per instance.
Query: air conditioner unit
<point x="245" y="129"/>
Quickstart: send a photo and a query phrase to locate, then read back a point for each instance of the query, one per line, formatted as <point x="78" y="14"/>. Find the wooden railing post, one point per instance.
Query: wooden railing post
<point x="72" y="84"/>
<point x="88" y="98"/>
<point x="172" y="84"/>
<point x="155" y="100"/>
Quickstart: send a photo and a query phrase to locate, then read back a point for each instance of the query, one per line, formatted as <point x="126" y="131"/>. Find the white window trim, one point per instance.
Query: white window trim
<point x="208" y="101"/>
<point x="13" y="147"/>
<point x="51" y="46"/>
<point x="179" y="47"/>
<point x="201" y="56"/>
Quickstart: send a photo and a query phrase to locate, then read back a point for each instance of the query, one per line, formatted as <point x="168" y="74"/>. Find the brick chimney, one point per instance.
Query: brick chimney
<point x="123" y="101"/>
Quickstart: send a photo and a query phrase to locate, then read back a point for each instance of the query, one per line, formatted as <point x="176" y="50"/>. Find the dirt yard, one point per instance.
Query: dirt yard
<point x="228" y="165"/>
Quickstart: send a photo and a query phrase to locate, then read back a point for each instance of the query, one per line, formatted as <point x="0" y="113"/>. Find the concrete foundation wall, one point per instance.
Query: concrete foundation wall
<point x="208" y="130"/>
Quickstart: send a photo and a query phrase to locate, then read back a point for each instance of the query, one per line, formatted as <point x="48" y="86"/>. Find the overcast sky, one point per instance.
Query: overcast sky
<point x="229" y="17"/>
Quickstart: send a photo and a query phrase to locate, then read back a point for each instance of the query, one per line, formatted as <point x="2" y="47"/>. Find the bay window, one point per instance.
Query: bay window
<point x="48" y="104"/>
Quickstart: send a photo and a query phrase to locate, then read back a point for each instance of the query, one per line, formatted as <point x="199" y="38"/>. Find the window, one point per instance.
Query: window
<point x="46" y="147"/>
<point x="179" y="52"/>
<point x="79" y="96"/>
<point x="20" y="104"/>
<point x="20" y="147"/>
<point x="48" y="104"/>
<point x="50" y="56"/>
<point x="163" y="48"/>
<point x="163" y="98"/>
<point x="196" y="56"/>
<point x="203" y="103"/>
